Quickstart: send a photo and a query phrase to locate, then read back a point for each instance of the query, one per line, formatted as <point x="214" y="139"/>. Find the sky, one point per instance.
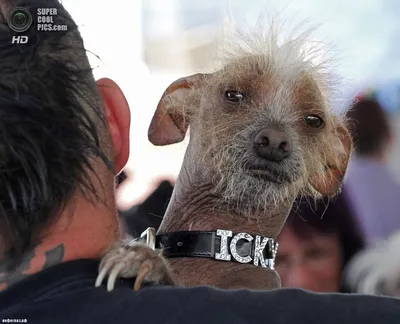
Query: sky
<point x="366" y="33"/>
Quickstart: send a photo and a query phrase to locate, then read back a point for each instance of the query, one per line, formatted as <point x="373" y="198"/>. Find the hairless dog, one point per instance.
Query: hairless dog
<point x="262" y="132"/>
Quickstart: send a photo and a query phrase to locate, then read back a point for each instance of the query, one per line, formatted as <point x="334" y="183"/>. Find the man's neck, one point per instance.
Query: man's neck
<point x="195" y="211"/>
<point x="36" y="259"/>
<point x="85" y="234"/>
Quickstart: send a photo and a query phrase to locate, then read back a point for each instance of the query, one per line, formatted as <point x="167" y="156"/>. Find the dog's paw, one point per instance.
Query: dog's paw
<point x="134" y="260"/>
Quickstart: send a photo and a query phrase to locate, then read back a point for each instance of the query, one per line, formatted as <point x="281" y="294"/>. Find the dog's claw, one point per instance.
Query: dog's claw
<point x="143" y="272"/>
<point x="134" y="260"/>
<point x="116" y="270"/>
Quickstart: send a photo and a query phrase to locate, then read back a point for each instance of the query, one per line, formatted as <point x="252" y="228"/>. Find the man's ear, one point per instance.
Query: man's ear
<point x="118" y="119"/>
<point x="168" y="125"/>
<point x="337" y="162"/>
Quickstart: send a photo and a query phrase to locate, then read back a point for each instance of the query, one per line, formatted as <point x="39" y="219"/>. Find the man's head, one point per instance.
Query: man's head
<point x="370" y="127"/>
<point x="261" y="126"/>
<point x="63" y="137"/>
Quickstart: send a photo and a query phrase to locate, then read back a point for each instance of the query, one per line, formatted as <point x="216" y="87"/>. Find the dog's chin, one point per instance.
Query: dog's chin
<point x="249" y="191"/>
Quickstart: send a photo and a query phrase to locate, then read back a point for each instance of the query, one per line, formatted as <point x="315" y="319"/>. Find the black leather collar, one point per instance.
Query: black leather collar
<point x="220" y="245"/>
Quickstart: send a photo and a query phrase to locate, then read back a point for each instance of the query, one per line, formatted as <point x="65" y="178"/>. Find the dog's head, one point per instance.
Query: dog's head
<point x="260" y="127"/>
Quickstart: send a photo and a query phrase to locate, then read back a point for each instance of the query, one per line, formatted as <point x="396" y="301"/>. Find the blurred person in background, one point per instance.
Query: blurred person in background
<point x="376" y="270"/>
<point x="372" y="191"/>
<point x="150" y="212"/>
<point x="316" y="243"/>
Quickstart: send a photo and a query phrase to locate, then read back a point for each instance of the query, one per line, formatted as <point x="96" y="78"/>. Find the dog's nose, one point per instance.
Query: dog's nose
<point x="272" y="145"/>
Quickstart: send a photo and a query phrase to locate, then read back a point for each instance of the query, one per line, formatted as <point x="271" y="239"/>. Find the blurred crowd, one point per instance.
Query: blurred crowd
<point x="346" y="244"/>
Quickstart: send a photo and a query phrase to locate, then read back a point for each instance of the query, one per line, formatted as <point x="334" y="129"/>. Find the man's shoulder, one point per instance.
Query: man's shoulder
<point x="204" y="304"/>
<point x="68" y="295"/>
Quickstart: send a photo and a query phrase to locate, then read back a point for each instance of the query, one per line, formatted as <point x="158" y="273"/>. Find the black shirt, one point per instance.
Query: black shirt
<point x="66" y="294"/>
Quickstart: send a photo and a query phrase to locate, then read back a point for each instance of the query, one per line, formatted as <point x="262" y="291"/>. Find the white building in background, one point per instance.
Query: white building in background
<point x="176" y="31"/>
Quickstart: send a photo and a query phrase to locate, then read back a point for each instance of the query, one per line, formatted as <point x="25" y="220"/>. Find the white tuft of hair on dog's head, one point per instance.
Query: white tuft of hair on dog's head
<point x="289" y="50"/>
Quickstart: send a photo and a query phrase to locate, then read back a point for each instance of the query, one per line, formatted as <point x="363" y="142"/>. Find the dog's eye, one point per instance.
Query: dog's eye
<point x="234" y="96"/>
<point x="314" y="121"/>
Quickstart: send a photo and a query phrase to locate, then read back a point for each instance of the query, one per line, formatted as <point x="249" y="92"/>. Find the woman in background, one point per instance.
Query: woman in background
<point x="371" y="188"/>
<point x="316" y="243"/>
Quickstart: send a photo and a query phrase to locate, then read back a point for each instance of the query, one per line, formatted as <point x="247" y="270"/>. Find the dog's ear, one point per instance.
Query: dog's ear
<point x="168" y="125"/>
<point x="337" y="160"/>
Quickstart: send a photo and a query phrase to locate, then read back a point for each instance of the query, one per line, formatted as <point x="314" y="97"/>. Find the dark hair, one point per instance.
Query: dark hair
<point x="48" y="135"/>
<point x="369" y="126"/>
<point x="328" y="216"/>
